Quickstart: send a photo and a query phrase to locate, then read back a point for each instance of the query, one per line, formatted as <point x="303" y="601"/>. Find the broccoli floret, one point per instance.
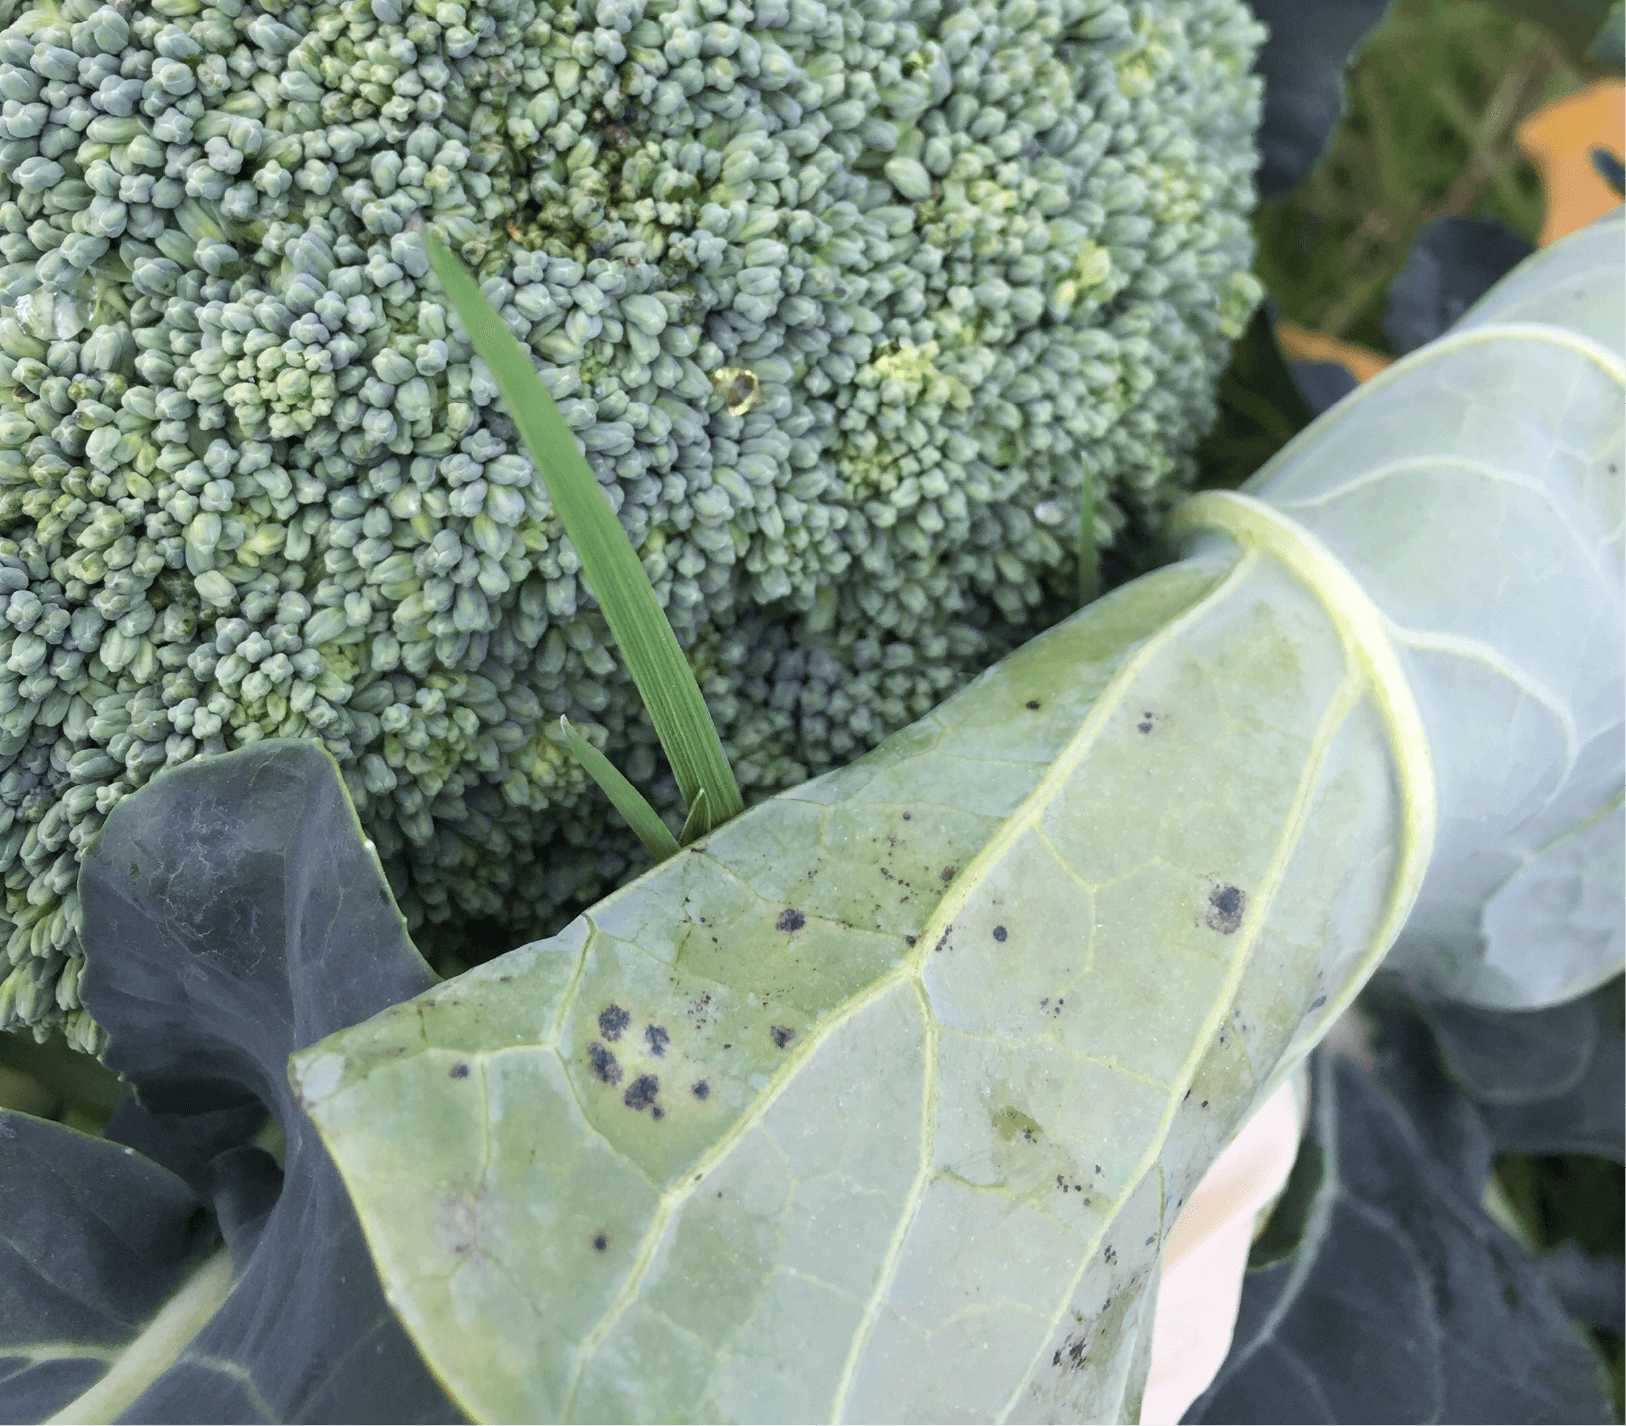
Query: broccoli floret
<point x="846" y="300"/>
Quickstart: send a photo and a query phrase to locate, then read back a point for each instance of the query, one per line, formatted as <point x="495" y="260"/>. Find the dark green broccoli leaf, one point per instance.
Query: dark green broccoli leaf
<point x="1312" y="43"/>
<point x="1547" y="1081"/>
<point x="1322" y="384"/>
<point x="233" y="914"/>
<point x="1404" y="1301"/>
<point x="1452" y="264"/>
<point x="1609" y="167"/>
<point x="96" y="1240"/>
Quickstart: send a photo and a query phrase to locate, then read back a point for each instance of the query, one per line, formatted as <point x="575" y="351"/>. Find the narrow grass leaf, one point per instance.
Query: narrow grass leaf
<point x="629" y="802"/>
<point x="609" y="562"/>
<point x="695" y="824"/>
<point x="1089" y="561"/>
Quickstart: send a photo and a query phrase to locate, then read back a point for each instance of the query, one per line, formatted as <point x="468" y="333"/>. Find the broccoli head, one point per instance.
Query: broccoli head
<point x="853" y="304"/>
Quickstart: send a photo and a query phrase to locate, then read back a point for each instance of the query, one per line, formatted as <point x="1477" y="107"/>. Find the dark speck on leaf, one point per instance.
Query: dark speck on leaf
<point x="604" y="1064"/>
<point x="1318" y="1002"/>
<point x="790" y="919"/>
<point x="1145" y="725"/>
<point x="1033" y="703"/>
<point x="1225" y="907"/>
<point x="909" y="940"/>
<point x="948" y="874"/>
<point x="1204" y="1104"/>
<point x="601" y="1242"/>
<point x="641" y="1093"/>
<point x="781" y="1035"/>
<point x="701" y="1089"/>
<point x="999" y="933"/>
<point x="908" y="816"/>
<point x="612" y="1020"/>
<point x="460" y="1071"/>
<point x="657" y="1038"/>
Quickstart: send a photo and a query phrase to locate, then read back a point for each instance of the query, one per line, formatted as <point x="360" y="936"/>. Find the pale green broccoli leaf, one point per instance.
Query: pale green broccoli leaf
<point x="786" y="1130"/>
<point x="1490" y="538"/>
<point x="879" y="1103"/>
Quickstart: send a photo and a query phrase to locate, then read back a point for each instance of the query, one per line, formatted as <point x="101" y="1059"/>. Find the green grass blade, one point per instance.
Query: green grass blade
<point x="1089" y="560"/>
<point x="629" y="802"/>
<point x="695" y="824"/>
<point x="609" y="562"/>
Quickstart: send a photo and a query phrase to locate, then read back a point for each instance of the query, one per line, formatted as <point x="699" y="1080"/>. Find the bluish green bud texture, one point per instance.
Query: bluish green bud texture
<point x="844" y="301"/>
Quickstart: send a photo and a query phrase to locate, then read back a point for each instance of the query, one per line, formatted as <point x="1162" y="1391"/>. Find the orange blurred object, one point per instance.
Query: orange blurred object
<point x="1558" y="139"/>
<point x="1302" y="344"/>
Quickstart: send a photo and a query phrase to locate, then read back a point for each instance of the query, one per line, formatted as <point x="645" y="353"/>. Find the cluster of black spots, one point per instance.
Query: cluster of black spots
<point x="604" y="1065"/>
<point x="1111" y="1256"/>
<point x="790" y="919"/>
<point x="1318" y="1002"/>
<point x="781" y="1035"/>
<point x="460" y="1071"/>
<point x="657" y="1039"/>
<point x="1225" y="907"/>
<point x="1145" y="725"/>
<point x="999" y="933"/>
<point x="641" y="1094"/>
<point x="612" y="1020"/>
<point x="948" y="874"/>
<point x="1066" y="1187"/>
<point x="1075" y="1353"/>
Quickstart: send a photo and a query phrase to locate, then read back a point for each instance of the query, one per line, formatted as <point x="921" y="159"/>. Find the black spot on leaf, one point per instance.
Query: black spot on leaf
<point x="781" y="1035"/>
<point x="1033" y="703"/>
<point x="999" y="933"/>
<point x="641" y="1093"/>
<point x="701" y="1089"/>
<point x="605" y="1066"/>
<point x="1225" y="907"/>
<point x="601" y="1242"/>
<point x="612" y="1020"/>
<point x="790" y="919"/>
<point x="948" y="874"/>
<point x="460" y="1071"/>
<point x="1318" y="1002"/>
<point x="657" y="1038"/>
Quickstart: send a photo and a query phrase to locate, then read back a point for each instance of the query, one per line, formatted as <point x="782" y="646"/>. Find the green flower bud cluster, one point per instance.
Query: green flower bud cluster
<point x="846" y="301"/>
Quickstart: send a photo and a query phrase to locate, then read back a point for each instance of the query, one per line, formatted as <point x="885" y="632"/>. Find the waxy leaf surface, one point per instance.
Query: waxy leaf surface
<point x="1403" y="1301"/>
<point x="233" y="913"/>
<point x="1475" y="490"/>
